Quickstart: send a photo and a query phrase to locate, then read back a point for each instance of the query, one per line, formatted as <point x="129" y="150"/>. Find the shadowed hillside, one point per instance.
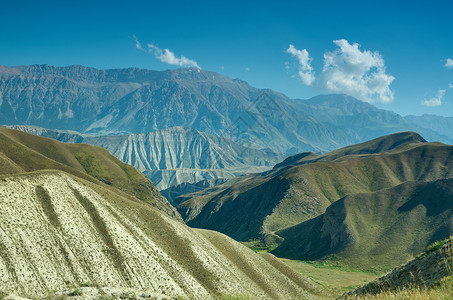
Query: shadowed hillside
<point x="302" y="187"/>
<point x="376" y="230"/>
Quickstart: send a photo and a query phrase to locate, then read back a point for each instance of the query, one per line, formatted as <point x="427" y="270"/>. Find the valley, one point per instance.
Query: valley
<point x="314" y="201"/>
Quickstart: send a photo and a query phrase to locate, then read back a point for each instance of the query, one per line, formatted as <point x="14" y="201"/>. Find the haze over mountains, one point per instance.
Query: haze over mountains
<point x="133" y="100"/>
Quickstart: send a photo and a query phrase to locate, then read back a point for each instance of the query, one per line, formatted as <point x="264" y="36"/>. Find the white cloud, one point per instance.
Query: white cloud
<point x="450" y="85"/>
<point x="449" y="63"/>
<point x="222" y="67"/>
<point x="436" y="101"/>
<point x="246" y="69"/>
<point x="137" y="43"/>
<point x="305" y="69"/>
<point x="166" y="56"/>
<point x="348" y="70"/>
<point x="358" y="73"/>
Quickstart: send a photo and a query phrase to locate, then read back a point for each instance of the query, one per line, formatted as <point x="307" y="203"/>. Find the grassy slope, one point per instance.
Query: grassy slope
<point x="375" y="231"/>
<point x="255" y="206"/>
<point x="443" y="290"/>
<point x="23" y="152"/>
<point x="428" y="276"/>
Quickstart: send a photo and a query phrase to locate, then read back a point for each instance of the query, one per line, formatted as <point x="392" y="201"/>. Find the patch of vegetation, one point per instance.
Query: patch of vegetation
<point x="234" y="297"/>
<point x="76" y="292"/>
<point x="87" y="284"/>
<point x="437" y="245"/>
<point x="333" y="278"/>
<point x="261" y="245"/>
<point x="3" y="295"/>
<point x="440" y="290"/>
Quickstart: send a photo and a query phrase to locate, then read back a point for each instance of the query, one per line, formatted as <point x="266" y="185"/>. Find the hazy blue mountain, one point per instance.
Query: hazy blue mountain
<point x="133" y="100"/>
<point x="442" y="125"/>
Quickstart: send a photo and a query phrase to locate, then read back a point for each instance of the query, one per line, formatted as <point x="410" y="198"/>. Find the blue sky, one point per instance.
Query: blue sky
<point x="393" y="53"/>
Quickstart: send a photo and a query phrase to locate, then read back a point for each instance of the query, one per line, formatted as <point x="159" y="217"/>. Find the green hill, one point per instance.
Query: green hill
<point x="256" y="206"/>
<point x="375" y="231"/>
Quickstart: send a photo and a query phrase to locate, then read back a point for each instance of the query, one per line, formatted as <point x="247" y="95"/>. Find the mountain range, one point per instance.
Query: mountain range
<point x="133" y="100"/>
<point x="358" y="188"/>
<point x="190" y="128"/>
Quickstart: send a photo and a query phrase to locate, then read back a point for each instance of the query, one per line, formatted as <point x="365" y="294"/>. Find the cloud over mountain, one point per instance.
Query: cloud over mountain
<point x="435" y="101"/>
<point x="166" y="55"/>
<point x="348" y="70"/>
<point x="306" y="73"/>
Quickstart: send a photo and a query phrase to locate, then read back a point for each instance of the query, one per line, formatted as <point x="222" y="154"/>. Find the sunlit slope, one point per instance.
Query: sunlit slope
<point x="255" y="206"/>
<point x="59" y="231"/>
<point x="22" y="152"/>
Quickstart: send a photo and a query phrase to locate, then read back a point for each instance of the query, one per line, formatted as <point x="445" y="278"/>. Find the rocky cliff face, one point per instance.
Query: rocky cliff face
<point x="182" y="155"/>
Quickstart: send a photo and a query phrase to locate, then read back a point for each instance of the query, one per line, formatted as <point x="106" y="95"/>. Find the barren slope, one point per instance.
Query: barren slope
<point x="58" y="231"/>
<point x="173" y="156"/>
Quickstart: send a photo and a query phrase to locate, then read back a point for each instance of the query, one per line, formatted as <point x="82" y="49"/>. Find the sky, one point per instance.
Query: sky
<point x="397" y="55"/>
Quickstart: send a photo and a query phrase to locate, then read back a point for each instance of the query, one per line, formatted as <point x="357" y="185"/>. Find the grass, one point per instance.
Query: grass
<point x="374" y="231"/>
<point x="259" y="246"/>
<point x="441" y="290"/>
<point x="334" y="278"/>
<point x="437" y="245"/>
